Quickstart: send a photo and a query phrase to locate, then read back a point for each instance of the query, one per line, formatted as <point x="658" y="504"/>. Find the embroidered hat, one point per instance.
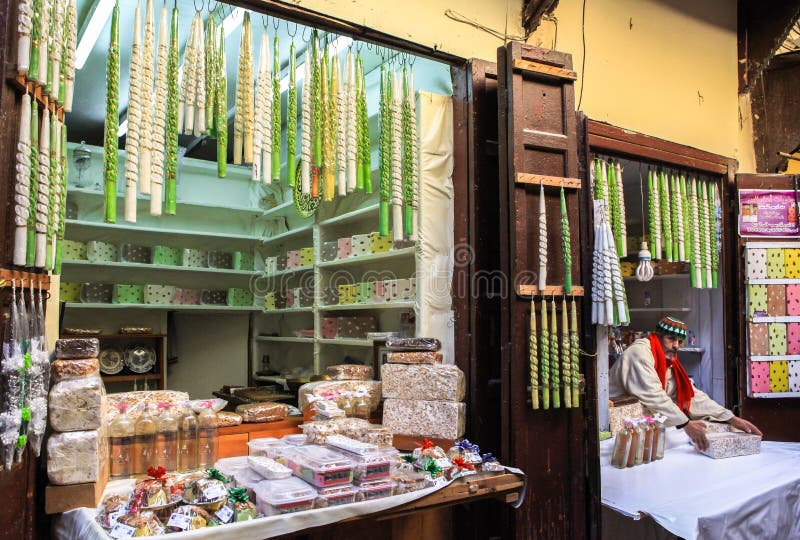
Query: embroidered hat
<point x="672" y="326"/>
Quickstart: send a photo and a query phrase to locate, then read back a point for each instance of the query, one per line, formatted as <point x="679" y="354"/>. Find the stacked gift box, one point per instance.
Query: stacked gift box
<point x="423" y="397"/>
<point x="371" y="292"/>
<point x="99" y="252"/>
<point x="294" y="258"/>
<point x="348" y="327"/>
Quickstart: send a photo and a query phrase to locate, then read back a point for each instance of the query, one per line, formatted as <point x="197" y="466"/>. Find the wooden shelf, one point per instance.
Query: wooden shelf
<point x="36" y="90"/>
<point x="550" y="290"/>
<point x="285" y="339"/>
<point x="351" y="216"/>
<point x="553" y="181"/>
<point x="544" y="69"/>
<point x="658" y="309"/>
<point x="23" y="278"/>
<point x="305" y="229"/>
<point x="345" y="342"/>
<point x="369" y="259"/>
<point x="131" y="378"/>
<point x="353" y="307"/>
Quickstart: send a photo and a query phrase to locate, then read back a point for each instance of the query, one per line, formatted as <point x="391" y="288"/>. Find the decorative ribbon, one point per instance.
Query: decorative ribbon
<point x="468" y="447"/>
<point x="409" y="458"/>
<point x="488" y="458"/>
<point x="156" y="472"/>
<point x="432" y="468"/>
<point x="462" y="463"/>
<point x="239" y="495"/>
<point x="427" y="444"/>
<point x="214" y="474"/>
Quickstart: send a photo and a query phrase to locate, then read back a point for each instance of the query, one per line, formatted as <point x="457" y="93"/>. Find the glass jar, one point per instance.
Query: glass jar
<point x="649" y="430"/>
<point x="622" y="445"/>
<point x="121" y="442"/>
<point x="187" y="439"/>
<point x="636" y="433"/>
<point x="145" y="441"/>
<point x="639" y="455"/>
<point x="207" y="439"/>
<point x="167" y="439"/>
<point x="660" y="438"/>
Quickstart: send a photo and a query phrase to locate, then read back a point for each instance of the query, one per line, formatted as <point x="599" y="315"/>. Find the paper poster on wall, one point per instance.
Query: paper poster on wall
<point x="767" y="212"/>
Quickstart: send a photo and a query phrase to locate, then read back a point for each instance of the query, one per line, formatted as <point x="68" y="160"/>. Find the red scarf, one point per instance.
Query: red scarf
<point x="683" y="386"/>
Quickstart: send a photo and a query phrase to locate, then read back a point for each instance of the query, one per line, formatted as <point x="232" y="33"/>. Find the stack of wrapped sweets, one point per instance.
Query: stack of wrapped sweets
<point x="423" y="397"/>
<point x="76" y="450"/>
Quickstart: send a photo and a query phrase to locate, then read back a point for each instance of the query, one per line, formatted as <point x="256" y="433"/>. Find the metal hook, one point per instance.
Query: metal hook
<point x="291" y="34"/>
<point x="359" y="45"/>
<point x="210" y="11"/>
<point x="306" y="38"/>
<point x="275" y="23"/>
<point x="198" y="10"/>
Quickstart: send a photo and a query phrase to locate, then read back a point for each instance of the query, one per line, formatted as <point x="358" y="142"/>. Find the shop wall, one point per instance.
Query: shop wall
<point x="667" y="68"/>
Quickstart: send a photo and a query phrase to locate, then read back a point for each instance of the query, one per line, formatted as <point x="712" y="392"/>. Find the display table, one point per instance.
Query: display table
<point x="508" y="487"/>
<point x="694" y="496"/>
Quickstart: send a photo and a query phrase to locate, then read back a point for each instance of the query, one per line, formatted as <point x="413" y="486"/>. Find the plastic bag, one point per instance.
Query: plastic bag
<point x="77" y="404"/>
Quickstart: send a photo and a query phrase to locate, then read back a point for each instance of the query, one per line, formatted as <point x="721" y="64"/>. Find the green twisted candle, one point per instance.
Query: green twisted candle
<point x="613" y="203"/>
<point x="363" y="130"/>
<point x="171" y="150"/>
<point x="276" y="112"/>
<point x="544" y="357"/>
<point x="63" y="203"/>
<point x="566" y="247"/>
<point x="686" y="217"/>
<point x="666" y="224"/>
<point x="291" y="120"/>
<point x="316" y="116"/>
<point x="566" y="355"/>
<point x="30" y="254"/>
<point x="360" y="126"/>
<point x="210" y="79"/>
<point x="574" y="350"/>
<point x="36" y="32"/>
<point x="675" y="216"/>
<point x="112" y="120"/>
<point x="328" y="132"/>
<point x="533" y="358"/>
<point x="599" y="180"/>
<point x="220" y="106"/>
<point x="386" y="151"/>
<point x="555" y="378"/>
<point x="54" y="198"/>
<point x="408" y="185"/>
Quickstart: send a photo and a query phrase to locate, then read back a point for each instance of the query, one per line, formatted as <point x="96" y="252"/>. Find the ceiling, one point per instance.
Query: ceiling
<point x="87" y="119"/>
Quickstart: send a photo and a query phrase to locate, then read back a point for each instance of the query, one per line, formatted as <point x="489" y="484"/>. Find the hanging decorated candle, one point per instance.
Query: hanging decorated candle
<point x="566" y="355"/>
<point x="171" y="135"/>
<point x="276" y="113"/>
<point x="134" y="121"/>
<point x="574" y="348"/>
<point x="566" y="247"/>
<point x="542" y="241"/>
<point x="112" y="121"/>
<point x="544" y="357"/>
<point x="555" y="367"/>
<point x="291" y="120"/>
<point x="533" y="358"/>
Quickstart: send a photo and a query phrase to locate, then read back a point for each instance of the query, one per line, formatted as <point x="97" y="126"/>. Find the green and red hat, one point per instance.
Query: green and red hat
<point x="672" y="326"/>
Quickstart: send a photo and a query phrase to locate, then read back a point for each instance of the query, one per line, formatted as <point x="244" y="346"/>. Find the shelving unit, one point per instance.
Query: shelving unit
<point x="164" y="307"/>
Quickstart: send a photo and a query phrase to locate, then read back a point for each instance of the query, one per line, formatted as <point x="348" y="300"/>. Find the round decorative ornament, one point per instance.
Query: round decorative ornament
<point x="111" y="361"/>
<point x="140" y="358"/>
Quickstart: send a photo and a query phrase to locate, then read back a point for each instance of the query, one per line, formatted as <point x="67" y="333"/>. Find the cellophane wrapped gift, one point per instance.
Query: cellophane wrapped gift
<point x="78" y="368"/>
<point x="159" y="294"/>
<point x="166" y="256"/>
<point x="365" y="292"/>
<point x="355" y="428"/>
<point x="220" y="259"/>
<point x="414" y="357"/>
<point x="266" y="411"/>
<point x="77" y="348"/>
<point x="345" y="247"/>
<point x="128" y="294"/>
<point x="228" y="419"/>
<point x="378" y="434"/>
<point x="194" y="258"/>
<point x="378" y="243"/>
<point x="136" y="402"/>
<point x="97" y="251"/>
<point x="240" y="297"/>
<point x="187" y="296"/>
<point x="136" y="254"/>
<point x="243" y="260"/>
<point x="77" y="404"/>
<point x="318" y="432"/>
<point x="618" y="414"/>
<point x="413" y="344"/>
<point x="69" y="292"/>
<point x="329" y="251"/>
<point x="77" y="457"/>
<point x="307" y="256"/>
<point x="416" y="418"/>
<point x="347" y="294"/>
<point x="350" y="372"/>
<point x="360" y="245"/>
<point x="73" y="251"/>
<point x="322" y="389"/>
<point x="97" y="293"/>
<point x="732" y="444"/>
<point x="423" y="381"/>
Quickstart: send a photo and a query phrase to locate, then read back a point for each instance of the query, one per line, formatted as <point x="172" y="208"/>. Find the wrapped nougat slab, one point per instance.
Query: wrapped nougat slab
<point x="74" y="369"/>
<point x="136" y="402"/>
<point x="77" y="348"/>
<point x="77" y="404"/>
<point x="76" y="457"/>
<point x="414" y="357"/>
<point x="265" y="411"/>
<point x="435" y="419"/>
<point x="725" y="445"/>
<point x="413" y="344"/>
<point x="333" y="389"/>
<point x="422" y="381"/>
<point x="350" y="372"/>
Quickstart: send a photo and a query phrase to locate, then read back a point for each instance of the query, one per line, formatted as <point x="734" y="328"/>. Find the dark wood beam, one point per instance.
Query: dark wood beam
<point x="534" y="10"/>
<point x="763" y="26"/>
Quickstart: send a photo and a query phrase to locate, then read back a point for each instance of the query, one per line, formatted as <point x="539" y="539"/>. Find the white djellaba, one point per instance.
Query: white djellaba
<point x="146" y="96"/>
<point x="341" y="125"/>
<point x="43" y="193"/>
<point x="134" y="121"/>
<point x="397" y="171"/>
<point x="414" y="155"/>
<point x="305" y="146"/>
<point x="22" y="184"/>
<point x="159" y="140"/>
<point x="350" y="120"/>
<point x="262" y="131"/>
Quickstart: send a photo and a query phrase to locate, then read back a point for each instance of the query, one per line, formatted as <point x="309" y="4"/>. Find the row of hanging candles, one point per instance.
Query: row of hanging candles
<point x="334" y="132"/>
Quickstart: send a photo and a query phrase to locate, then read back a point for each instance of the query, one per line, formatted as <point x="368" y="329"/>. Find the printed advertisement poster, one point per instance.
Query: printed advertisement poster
<point x="767" y="212"/>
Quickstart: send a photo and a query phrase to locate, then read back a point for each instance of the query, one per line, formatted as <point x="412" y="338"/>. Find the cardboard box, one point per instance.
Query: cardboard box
<point x="378" y="243"/>
<point x="307" y="256"/>
<point x="329" y="251"/>
<point x="360" y="245"/>
<point x="292" y="259"/>
<point x="345" y="246"/>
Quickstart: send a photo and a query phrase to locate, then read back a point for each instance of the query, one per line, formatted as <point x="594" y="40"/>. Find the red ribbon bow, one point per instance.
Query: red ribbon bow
<point x="462" y="463"/>
<point x="426" y="444"/>
<point x="156" y="472"/>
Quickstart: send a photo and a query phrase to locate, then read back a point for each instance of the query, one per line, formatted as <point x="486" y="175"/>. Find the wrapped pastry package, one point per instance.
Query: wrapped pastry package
<point x="355" y="428"/>
<point x="436" y="419"/>
<point x="427" y="382"/>
<point x="328" y="388"/>
<point x="266" y="411"/>
<point x="726" y="445"/>
<point x="318" y="432"/>
<point x="143" y="523"/>
<point x="228" y="419"/>
<point x="413" y="344"/>
<point x="377" y="434"/>
<point x="268" y="468"/>
<point x="77" y="404"/>
<point x="350" y="372"/>
<point x="136" y="402"/>
<point x="77" y="348"/>
<point x="414" y="357"/>
<point x="78" y="368"/>
<point x="77" y="457"/>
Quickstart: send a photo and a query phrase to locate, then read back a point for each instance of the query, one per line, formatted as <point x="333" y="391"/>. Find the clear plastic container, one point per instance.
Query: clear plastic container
<point x="649" y="431"/>
<point x="636" y="437"/>
<point x="208" y="439"/>
<point x="296" y="439"/>
<point x="377" y="489"/>
<point x="121" y="439"/>
<point x="268" y="468"/>
<point x="167" y="439"/>
<point x="248" y="478"/>
<point x="320" y="466"/>
<point x="268" y="447"/>
<point x="369" y="462"/>
<point x="340" y="442"/>
<point x="275" y="497"/>
<point x="187" y="439"/>
<point x="622" y="446"/>
<point x="408" y="481"/>
<point x="231" y="465"/>
<point x="336" y="496"/>
<point x="658" y="444"/>
<point x="145" y="441"/>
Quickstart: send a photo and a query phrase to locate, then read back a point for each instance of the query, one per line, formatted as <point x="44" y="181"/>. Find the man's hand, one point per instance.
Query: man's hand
<point x="744" y="425"/>
<point x="696" y="430"/>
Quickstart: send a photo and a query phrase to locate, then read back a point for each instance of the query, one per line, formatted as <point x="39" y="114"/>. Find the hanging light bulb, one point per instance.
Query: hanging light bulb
<point x="644" y="272"/>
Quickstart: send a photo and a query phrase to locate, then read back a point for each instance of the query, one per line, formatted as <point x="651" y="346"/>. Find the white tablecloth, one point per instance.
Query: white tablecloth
<point x="694" y="496"/>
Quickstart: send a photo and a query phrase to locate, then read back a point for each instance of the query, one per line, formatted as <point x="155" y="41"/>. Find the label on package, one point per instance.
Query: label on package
<point x="224" y="514"/>
<point x="114" y="516"/>
<point x="121" y="530"/>
<point x="179" y="521"/>
<point x="443" y="463"/>
<point x="440" y="482"/>
<point x="214" y="492"/>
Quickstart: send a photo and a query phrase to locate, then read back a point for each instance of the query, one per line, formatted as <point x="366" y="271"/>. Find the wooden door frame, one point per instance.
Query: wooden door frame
<point x="606" y="138"/>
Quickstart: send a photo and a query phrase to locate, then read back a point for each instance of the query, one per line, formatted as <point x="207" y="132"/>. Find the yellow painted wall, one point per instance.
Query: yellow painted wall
<point x="667" y="68"/>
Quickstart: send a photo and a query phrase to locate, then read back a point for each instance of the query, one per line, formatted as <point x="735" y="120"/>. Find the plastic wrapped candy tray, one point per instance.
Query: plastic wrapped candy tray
<point x="320" y="466"/>
<point x="275" y="497"/>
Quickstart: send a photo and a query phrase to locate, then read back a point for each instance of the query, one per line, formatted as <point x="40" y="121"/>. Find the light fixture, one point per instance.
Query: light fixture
<point x="91" y="31"/>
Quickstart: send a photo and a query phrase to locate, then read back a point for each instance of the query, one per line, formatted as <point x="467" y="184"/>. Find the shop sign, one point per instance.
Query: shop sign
<point x="768" y="212"/>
